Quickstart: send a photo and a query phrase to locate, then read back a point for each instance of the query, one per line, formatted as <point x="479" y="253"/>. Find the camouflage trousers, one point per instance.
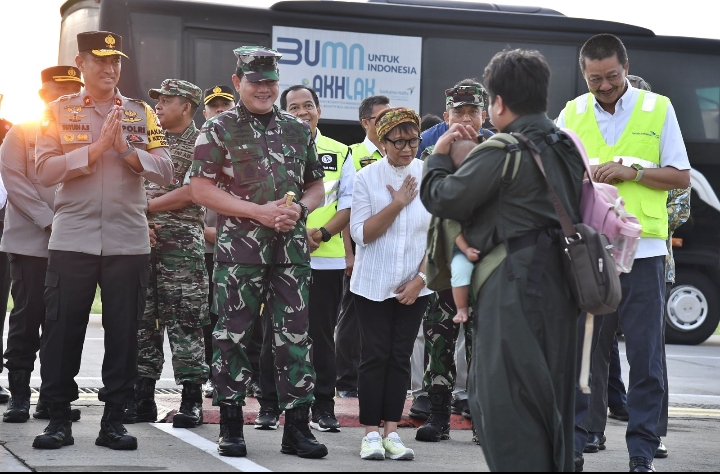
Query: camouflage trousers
<point x="183" y="306"/>
<point x="238" y="293"/>
<point x="441" y="335"/>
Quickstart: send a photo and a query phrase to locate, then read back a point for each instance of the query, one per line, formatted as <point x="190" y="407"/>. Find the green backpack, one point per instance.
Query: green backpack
<point x="443" y="232"/>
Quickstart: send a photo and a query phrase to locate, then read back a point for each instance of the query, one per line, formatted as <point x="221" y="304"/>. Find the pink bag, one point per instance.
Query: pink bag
<point x="604" y="210"/>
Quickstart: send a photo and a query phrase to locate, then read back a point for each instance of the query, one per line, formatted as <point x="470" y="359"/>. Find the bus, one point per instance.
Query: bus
<point x="412" y="50"/>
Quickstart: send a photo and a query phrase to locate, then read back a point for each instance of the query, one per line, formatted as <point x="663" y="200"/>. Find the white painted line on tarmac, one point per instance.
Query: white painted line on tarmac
<point x="8" y="462"/>
<point x="241" y="464"/>
<point x="680" y="356"/>
<point x="693" y="395"/>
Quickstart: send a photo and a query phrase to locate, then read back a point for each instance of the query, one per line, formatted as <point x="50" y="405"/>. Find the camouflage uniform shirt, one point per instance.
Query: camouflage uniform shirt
<point x="259" y="165"/>
<point x="678" y="206"/>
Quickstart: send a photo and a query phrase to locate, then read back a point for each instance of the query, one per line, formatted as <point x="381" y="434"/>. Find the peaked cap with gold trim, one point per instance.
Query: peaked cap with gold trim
<point x="61" y="74"/>
<point x="100" y="43"/>
<point x="219" y="91"/>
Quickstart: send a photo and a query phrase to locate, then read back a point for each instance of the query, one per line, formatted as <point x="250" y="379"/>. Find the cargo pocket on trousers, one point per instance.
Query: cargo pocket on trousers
<point x="142" y="294"/>
<point x="52" y="296"/>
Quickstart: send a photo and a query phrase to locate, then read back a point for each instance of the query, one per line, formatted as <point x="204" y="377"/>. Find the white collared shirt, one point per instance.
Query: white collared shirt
<point x="371" y="148"/>
<point x="672" y="147"/>
<point x="393" y="259"/>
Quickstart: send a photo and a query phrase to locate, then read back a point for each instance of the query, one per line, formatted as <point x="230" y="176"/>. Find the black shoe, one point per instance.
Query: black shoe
<point x="420" y="408"/>
<point x="113" y="434"/>
<point x="209" y="389"/>
<point x="297" y="437"/>
<point x="190" y="414"/>
<point x="661" y="452"/>
<point x="461" y="407"/>
<point x="325" y="422"/>
<point x="4" y="395"/>
<point x="595" y="443"/>
<point x="231" y="441"/>
<point x="43" y="413"/>
<point x="59" y="432"/>
<point x="267" y="419"/>
<point x="143" y="409"/>
<point x="638" y="464"/>
<point x="253" y="390"/>
<point x="348" y="394"/>
<point x="579" y="462"/>
<point x="619" y="413"/>
<point x="437" y="426"/>
<point x="19" y="404"/>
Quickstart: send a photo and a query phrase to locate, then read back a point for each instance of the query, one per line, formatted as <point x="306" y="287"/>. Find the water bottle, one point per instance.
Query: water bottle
<point x="625" y="246"/>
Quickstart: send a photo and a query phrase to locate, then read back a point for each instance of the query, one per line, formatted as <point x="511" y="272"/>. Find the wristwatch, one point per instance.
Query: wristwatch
<point x="424" y="277"/>
<point x="326" y="236"/>
<point x="129" y="151"/>
<point x="305" y="210"/>
<point x="640" y="170"/>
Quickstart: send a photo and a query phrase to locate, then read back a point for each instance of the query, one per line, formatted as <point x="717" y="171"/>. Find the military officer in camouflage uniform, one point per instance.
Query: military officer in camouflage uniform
<point x="464" y="105"/>
<point x="246" y="160"/>
<point x="178" y="274"/>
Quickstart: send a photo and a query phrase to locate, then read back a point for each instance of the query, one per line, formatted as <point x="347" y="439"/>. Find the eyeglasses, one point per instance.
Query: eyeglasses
<point x="369" y="118"/>
<point x="400" y="144"/>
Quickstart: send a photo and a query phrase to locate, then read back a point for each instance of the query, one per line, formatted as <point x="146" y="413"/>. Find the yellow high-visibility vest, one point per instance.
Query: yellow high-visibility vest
<point x="638" y="144"/>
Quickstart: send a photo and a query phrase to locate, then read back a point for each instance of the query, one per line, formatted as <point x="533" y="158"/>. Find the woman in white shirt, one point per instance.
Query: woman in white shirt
<point x="389" y="225"/>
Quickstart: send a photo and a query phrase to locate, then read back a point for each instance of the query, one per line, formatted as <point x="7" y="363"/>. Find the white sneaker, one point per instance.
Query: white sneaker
<point x="396" y="450"/>
<point x="372" y="447"/>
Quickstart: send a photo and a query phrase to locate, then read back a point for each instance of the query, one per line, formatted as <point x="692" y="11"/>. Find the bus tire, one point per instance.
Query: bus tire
<point x="692" y="309"/>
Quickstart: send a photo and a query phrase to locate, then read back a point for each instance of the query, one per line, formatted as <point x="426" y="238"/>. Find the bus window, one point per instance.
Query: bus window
<point x="156" y="48"/>
<point x="81" y="17"/>
<point x="709" y="101"/>
<point x="692" y="84"/>
<point x="448" y="61"/>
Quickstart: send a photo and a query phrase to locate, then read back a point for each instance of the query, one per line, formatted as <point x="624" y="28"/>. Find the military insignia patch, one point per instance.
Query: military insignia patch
<point x="71" y="72"/>
<point x="329" y="161"/>
<point x="109" y="42"/>
<point x="131" y="116"/>
<point x="134" y="139"/>
<point x="217" y="90"/>
<point x="118" y="101"/>
<point x="83" y="137"/>
<point x="87" y="100"/>
<point x="69" y="137"/>
<point x="74" y="111"/>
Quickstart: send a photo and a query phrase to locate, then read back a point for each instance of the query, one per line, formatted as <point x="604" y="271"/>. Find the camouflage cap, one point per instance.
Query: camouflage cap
<point x="258" y="63"/>
<point x="465" y="95"/>
<point x="178" y="87"/>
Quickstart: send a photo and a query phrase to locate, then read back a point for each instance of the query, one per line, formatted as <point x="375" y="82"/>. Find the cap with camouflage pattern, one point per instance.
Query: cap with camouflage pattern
<point x="178" y="87"/>
<point x="258" y="63"/>
<point x="465" y="95"/>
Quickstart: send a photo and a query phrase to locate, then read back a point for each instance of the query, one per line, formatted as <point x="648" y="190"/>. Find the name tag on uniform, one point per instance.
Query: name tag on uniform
<point x="329" y="161"/>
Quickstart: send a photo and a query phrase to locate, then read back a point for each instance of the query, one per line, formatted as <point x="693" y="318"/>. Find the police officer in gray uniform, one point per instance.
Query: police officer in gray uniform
<point x="99" y="147"/>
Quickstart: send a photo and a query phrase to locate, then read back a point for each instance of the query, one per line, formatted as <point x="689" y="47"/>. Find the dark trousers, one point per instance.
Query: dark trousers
<point x="387" y="331"/>
<point x="70" y="284"/>
<point x="617" y="395"/>
<point x="253" y="348"/>
<point x="325" y="295"/>
<point x="4" y="290"/>
<point x="642" y="321"/>
<point x="582" y="400"/>
<point x="608" y="388"/>
<point x="28" y="314"/>
<point x="347" y="341"/>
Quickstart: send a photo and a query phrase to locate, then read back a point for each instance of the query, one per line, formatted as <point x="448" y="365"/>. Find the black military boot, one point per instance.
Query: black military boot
<point x="143" y="408"/>
<point x="43" y="413"/>
<point x="113" y="434"/>
<point x="18" y="410"/>
<point x="437" y="427"/>
<point x="297" y="438"/>
<point x="59" y="432"/>
<point x="190" y="414"/>
<point x="231" y="442"/>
